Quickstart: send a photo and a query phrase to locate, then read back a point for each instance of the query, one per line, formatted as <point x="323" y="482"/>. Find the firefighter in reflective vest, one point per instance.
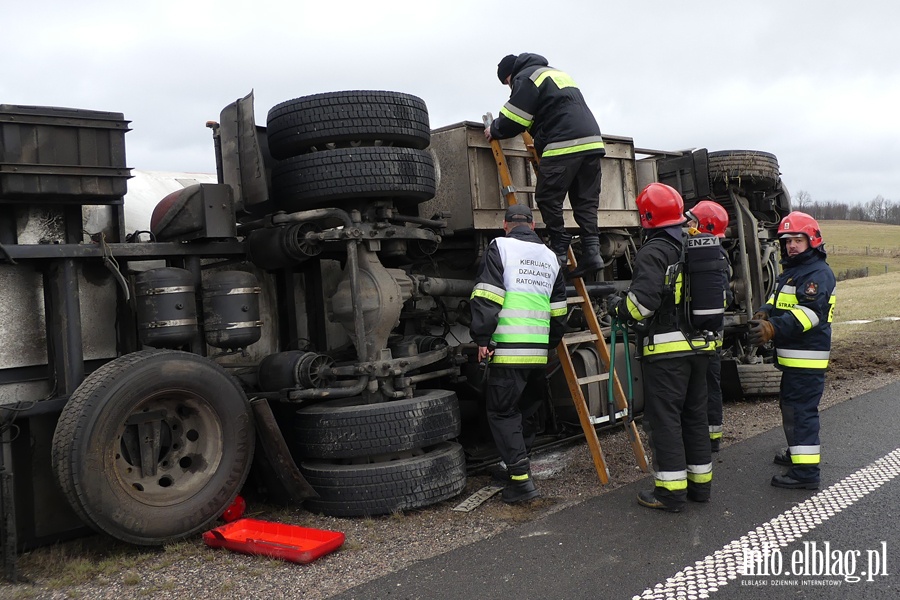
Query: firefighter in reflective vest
<point x="674" y="364"/>
<point x="518" y="307"/>
<point x="797" y="318"/>
<point x="709" y="271"/>
<point x="546" y="102"/>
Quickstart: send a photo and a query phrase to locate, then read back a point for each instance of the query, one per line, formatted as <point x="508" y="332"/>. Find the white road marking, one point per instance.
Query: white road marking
<point x="716" y="570"/>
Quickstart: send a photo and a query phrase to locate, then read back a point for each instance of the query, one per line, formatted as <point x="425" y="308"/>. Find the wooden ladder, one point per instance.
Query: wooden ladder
<point x="593" y="334"/>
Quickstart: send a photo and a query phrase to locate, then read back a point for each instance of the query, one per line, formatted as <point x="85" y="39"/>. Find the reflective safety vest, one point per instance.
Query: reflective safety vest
<point x="529" y="277"/>
<point x="801" y="310"/>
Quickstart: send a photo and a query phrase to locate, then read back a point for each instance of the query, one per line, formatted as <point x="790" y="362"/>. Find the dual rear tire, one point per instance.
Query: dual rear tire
<point x="340" y="148"/>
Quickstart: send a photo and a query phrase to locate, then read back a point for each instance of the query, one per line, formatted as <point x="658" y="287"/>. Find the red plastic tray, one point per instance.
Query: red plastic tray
<point x="287" y="542"/>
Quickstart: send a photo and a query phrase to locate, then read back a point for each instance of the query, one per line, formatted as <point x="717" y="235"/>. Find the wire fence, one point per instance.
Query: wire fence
<point x="864" y="251"/>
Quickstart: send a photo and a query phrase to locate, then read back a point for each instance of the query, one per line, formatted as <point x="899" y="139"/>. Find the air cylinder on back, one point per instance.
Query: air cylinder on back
<point x="231" y="309"/>
<point x="166" y="307"/>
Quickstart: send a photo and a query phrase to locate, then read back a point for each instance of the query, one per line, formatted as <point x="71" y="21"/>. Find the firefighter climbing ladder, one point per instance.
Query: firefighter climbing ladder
<point x="593" y="334"/>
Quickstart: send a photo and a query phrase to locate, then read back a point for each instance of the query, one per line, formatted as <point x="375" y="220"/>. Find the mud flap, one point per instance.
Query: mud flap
<point x="285" y="483"/>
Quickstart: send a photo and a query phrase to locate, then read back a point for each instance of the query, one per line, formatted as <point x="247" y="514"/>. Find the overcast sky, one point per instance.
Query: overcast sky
<point x="816" y="82"/>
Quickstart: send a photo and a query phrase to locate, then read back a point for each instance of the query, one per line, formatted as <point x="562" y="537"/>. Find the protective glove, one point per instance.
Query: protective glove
<point x="760" y="315"/>
<point x="615" y="306"/>
<point x="761" y="332"/>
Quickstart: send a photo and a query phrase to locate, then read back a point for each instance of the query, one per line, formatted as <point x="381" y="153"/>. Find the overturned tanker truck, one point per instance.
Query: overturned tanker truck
<point x="299" y="327"/>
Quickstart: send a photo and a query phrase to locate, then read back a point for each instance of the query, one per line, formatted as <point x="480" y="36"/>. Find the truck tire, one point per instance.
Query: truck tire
<point x="320" y="179"/>
<point x="358" y="490"/>
<point x="153" y="446"/>
<point x="346" y="428"/>
<point x="340" y="119"/>
<point x="747" y="169"/>
<point x="759" y="379"/>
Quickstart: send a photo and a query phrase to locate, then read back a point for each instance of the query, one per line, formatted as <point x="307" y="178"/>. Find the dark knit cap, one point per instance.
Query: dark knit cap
<point x="519" y="213"/>
<point x="505" y="68"/>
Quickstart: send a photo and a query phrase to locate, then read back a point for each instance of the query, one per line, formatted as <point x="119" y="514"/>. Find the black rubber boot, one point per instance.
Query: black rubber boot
<point x="714" y="445"/>
<point x="559" y="243"/>
<point x="783" y="458"/>
<point x="648" y="498"/>
<point x="590" y="260"/>
<point x="519" y="487"/>
<point x="787" y="482"/>
<point x="498" y="473"/>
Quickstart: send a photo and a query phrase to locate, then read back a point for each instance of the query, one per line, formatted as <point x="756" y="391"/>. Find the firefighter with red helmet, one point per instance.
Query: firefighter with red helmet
<point x="707" y="222"/>
<point x="674" y="363"/>
<point x="797" y="319"/>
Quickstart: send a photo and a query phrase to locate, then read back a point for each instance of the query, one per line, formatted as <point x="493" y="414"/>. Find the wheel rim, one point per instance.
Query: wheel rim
<point x="168" y="447"/>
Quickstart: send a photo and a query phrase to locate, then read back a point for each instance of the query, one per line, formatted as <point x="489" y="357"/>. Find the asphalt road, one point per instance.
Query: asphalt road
<point x="750" y="541"/>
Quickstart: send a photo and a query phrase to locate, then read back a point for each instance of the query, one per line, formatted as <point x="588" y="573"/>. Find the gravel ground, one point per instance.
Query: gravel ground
<point x="377" y="546"/>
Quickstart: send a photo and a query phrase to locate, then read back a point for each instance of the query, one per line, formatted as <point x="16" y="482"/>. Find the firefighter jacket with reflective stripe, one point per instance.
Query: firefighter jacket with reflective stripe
<point x="519" y="300"/>
<point x="655" y="295"/>
<point x="707" y="278"/>
<point x="546" y="102"/>
<point x="801" y="311"/>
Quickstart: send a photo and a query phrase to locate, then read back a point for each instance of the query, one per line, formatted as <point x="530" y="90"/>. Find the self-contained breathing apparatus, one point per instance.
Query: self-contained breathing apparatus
<point x="697" y="282"/>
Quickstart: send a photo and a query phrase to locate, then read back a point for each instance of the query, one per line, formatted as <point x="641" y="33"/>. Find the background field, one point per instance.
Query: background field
<point x="861" y="245"/>
<point x="873" y="297"/>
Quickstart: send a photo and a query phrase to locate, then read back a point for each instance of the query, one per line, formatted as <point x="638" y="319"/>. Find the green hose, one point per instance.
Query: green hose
<point x="616" y="326"/>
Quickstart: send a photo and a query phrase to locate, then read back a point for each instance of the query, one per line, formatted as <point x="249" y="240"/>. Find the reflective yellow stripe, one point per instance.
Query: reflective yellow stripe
<point x="519" y="112"/>
<point x="803" y="363"/>
<point x="519" y="477"/>
<point x="667" y="347"/>
<point x="802" y="317"/>
<point x="559" y="312"/>
<point x="786" y="301"/>
<point x="574" y="149"/>
<point x="523" y="338"/>
<point x="680" y="484"/>
<point x="802" y="359"/>
<point x="633" y="310"/>
<point x="561" y="79"/>
<point x="699" y="477"/>
<point x="514" y="117"/>
<point x="805" y="459"/>
<point x="679" y="288"/>
<point x="804" y="455"/>
<point x="831" y="302"/>
<point x="638" y="311"/>
<point x="519" y="360"/>
<point x="526" y="301"/>
<point x="487" y="296"/>
<point x="511" y="327"/>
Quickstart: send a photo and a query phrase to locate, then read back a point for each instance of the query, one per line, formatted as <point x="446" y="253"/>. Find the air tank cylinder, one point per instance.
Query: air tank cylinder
<point x="231" y="309"/>
<point x="166" y="307"/>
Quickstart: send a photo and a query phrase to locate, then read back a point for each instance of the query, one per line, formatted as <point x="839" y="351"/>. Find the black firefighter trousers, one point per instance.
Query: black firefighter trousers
<point x="675" y="398"/>
<point x="801" y="392"/>
<point x="577" y="175"/>
<point x="714" y="393"/>
<point x="513" y="396"/>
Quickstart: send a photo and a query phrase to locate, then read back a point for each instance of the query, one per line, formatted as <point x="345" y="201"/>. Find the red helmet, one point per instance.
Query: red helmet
<point x="800" y="222"/>
<point x="711" y="217"/>
<point x="660" y="205"/>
